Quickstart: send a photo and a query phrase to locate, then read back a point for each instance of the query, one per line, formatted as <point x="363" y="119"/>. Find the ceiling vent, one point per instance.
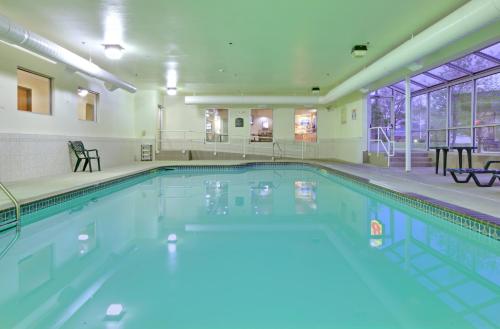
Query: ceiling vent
<point x="315" y="90"/>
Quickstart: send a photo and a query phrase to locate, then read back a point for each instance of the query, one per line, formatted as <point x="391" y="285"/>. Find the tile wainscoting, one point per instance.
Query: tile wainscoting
<point x="24" y="156"/>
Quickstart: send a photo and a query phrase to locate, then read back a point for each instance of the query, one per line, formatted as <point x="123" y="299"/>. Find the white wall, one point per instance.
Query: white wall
<point x="34" y="145"/>
<point x="349" y="137"/>
<point x="146" y="112"/>
<point x="345" y="142"/>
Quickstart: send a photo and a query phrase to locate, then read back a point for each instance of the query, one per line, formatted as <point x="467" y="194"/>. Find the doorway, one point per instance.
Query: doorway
<point x="387" y="111"/>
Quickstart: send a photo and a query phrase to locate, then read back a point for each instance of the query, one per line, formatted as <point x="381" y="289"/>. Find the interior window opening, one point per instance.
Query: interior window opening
<point x="33" y="92"/>
<point x="306" y="125"/>
<point x="261" y="125"/>
<point x="87" y="105"/>
<point x="216" y="125"/>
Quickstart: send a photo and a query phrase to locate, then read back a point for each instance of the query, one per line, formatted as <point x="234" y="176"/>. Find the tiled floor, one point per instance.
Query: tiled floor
<point x="421" y="181"/>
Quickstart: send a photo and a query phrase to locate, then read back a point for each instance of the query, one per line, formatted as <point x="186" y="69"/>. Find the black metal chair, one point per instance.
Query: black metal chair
<point x="473" y="172"/>
<point x="83" y="154"/>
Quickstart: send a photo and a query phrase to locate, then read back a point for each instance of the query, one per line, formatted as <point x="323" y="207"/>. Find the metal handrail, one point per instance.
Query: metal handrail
<point x="184" y="139"/>
<point x="382" y="139"/>
<point x="13" y="199"/>
<point x="275" y="143"/>
<point x="11" y="242"/>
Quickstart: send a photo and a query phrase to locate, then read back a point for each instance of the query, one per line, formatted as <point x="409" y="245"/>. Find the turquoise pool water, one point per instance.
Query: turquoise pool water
<point x="251" y="248"/>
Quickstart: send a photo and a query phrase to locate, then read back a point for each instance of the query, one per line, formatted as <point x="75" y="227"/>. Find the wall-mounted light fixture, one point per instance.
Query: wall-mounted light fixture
<point x="82" y="92"/>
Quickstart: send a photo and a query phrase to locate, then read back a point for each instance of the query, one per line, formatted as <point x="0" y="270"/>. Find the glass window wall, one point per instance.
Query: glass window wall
<point x="455" y="104"/>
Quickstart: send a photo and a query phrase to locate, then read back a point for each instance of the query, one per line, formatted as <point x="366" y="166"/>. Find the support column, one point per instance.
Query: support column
<point x="407" y="125"/>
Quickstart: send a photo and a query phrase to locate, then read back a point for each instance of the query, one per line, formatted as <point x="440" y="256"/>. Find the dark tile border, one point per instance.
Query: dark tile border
<point x="475" y="221"/>
<point x="9" y="214"/>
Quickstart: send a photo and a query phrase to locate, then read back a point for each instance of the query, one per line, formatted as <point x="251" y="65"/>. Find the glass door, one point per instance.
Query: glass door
<point x="387" y="110"/>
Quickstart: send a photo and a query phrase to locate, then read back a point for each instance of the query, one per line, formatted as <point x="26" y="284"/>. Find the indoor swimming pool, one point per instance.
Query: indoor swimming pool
<point x="258" y="247"/>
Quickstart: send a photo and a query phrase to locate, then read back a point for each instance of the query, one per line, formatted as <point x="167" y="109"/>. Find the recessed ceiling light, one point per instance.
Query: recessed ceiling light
<point x="83" y="237"/>
<point x="171" y="91"/>
<point x="359" y="51"/>
<point x="113" y="52"/>
<point x="172" y="238"/>
<point x="114" y="311"/>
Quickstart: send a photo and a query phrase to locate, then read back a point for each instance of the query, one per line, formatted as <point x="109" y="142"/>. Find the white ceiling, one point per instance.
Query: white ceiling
<point x="279" y="46"/>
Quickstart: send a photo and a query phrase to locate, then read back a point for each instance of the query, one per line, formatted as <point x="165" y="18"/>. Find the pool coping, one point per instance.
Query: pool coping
<point x="473" y="220"/>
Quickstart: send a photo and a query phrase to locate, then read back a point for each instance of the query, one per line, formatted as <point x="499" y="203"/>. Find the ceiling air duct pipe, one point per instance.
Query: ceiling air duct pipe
<point x="251" y="100"/>
<point x="16" y="35"/>
<point x="469" y="18"/>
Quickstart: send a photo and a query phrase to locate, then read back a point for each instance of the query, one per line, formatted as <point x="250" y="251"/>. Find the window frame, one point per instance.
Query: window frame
<point x="205" y="126"/>
<point x="251" y="123"/>
<point x="51" y="90"/>
<point x="317" y="120"/>
<point x="96" y="105"/>
<point x="470" y="78"/>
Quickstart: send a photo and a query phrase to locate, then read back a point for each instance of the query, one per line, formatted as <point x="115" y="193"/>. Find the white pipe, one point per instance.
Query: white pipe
<point x="254" y="100"/>
<point x="17" y="35"/>
<point x="470" y="17"/>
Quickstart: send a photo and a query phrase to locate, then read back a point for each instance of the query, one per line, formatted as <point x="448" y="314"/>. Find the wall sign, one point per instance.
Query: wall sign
<point x="239" y="122"/>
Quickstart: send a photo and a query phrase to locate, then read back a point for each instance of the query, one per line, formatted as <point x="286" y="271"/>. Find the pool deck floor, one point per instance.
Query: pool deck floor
<point x="422" y="181"/>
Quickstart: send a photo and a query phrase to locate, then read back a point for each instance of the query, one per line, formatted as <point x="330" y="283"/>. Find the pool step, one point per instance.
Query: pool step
<point x="418" y="159"/>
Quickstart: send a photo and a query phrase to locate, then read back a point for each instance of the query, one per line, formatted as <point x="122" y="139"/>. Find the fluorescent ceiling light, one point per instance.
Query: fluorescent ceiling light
<point x="113" y="52"/>
<point x="172" y="78"/>
<point x="29" y="52"/>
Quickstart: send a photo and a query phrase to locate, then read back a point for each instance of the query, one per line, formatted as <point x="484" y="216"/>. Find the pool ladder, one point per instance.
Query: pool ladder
<point x="18" y="221"/>
<point x="14" y="201"/>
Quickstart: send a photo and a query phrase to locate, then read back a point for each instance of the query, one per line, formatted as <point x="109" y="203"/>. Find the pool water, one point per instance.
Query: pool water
<point x="249" y="248"/>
